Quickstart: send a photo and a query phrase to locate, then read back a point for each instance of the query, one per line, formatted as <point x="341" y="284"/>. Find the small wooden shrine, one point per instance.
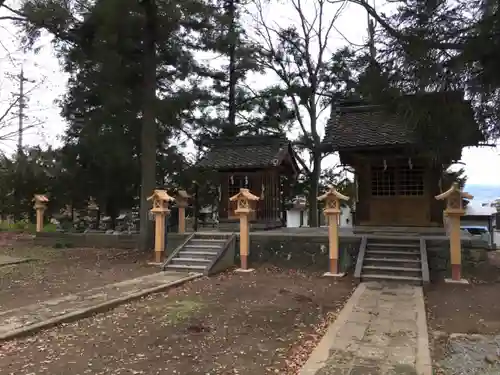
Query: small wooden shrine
<point x="397" y="174"/>
<point x="264" y="164"/>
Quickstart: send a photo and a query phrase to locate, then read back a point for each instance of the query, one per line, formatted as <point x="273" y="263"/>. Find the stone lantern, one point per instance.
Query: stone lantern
<point x="40" y="207"/>
<point x="454" y="197"/>
<point x="160" y="210"/>
<point x="182" y="202"/>
<point x="244" y="200"/>
<point x="93" y="209"/>
<point x="332" y="199"/>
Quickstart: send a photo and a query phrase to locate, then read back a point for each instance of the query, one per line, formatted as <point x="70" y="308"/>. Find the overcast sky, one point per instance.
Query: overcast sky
<point x="48" y="85"/>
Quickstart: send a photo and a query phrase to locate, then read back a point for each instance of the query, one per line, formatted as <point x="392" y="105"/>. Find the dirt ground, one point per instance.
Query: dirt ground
<point x="465" y="309"/>
<point x="266" y="322"/>
<point x="57" y="272"/>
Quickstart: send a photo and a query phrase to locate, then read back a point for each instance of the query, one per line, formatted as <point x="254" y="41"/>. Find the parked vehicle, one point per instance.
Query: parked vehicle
<point x="477" y="232"/>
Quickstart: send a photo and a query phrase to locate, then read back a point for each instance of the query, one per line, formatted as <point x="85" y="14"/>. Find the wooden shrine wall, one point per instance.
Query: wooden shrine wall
<point x="263" y="183"/>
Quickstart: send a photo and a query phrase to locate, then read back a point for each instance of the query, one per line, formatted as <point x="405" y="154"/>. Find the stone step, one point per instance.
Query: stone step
<point x="208" y="240"/>
<point x="190" y="261"/>
<point x="394" y="253"/>
<point x="394" y="238"/>
<point x="197" y="254"/>
<point x="393" y="271"/>
<point x="392" y="262"/>
<point x="388" y="268"/>
<point x="394" y="244"/>
<point x="202" y="246"/>
<point x="383" y="277"/>
<point x="183" y="267"/>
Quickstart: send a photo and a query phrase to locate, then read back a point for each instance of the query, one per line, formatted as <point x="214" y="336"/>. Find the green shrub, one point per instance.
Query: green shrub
<point x="25" y="227"/>
<point x="61" y="245"/>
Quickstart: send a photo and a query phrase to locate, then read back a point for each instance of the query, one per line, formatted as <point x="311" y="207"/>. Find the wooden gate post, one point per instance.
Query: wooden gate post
<point x="454" y="210"/>
<point x="40" y="207"/>
<point x="332" y="200"/>
<point x="182" y="202"/>
<point x="243" y="210"/>
<point x="160" y="210"/>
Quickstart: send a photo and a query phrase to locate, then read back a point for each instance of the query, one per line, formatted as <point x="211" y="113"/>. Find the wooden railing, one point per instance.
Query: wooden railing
<point x="423" y="261"/>
<point x="361" y="257"/>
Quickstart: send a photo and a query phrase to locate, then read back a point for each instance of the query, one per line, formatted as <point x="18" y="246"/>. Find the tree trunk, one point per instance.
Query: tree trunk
<point x="231" y="123"/>
<point x="148" y="131"/>
<point x="314" y="193"/>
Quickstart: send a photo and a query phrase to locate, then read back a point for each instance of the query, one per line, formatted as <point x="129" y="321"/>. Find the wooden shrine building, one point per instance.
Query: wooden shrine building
<point x="265" y="164"/>
<point x="398" y="163"/>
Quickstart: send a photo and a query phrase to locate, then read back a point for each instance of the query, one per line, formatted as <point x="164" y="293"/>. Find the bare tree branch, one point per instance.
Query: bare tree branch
<point x="303" y="164"/>
<point x="318" y="32"/>
<point x="296" y="54"/>
<point x="391" y="30"/>
<point x="281" y="71"/>
<point x="7" y="111"/>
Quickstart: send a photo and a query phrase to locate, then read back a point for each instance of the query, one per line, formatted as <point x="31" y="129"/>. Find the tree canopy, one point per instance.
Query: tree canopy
<point x="441" y="45"/>
<point x="143" y="84"/>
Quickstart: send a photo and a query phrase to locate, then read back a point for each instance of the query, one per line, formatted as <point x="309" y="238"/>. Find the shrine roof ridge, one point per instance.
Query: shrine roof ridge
<point x="245" y="140"/>
<point x="357" y="123"/>
<point x="249" y="151"/>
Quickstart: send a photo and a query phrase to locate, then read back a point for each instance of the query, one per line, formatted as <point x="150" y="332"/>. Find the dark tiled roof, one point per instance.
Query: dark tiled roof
<point x="365" y="125"/>
<point x="358" y="125"/>
<point x="244" y="152"/>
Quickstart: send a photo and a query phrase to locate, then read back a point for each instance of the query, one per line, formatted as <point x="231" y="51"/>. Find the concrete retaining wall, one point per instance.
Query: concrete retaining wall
<point x="100" y="240"/>
<point x="474" y="253"/>
<point x="284" y="250"/>
<point x="301" y="252"/>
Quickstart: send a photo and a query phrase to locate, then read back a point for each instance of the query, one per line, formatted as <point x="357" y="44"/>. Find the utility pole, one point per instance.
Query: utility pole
<point x="22" y="105"/>
<point x="21" y="112"/>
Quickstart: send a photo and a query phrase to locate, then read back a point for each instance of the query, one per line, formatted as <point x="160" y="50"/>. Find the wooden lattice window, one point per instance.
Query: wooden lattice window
<point x="410" y="181"/>
<point x="383" y="181"/>
<point x="235" y="183"/>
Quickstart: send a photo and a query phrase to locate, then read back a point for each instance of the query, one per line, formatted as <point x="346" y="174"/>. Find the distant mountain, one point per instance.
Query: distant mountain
<point x="483" y="193"/>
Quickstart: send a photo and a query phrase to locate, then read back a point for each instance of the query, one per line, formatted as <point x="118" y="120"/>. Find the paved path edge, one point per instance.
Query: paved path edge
<point x="18" y="261"/>
<point x="320" y="354"/>
<point x="423" y="363"/>
<point x="84" y="313"/>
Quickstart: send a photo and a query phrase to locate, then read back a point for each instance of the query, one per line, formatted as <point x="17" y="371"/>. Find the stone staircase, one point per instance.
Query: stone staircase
<point x="199" y="253"/>
<point x="394" y="258"/>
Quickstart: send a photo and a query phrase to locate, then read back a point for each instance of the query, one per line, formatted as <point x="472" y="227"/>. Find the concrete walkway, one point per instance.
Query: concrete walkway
<point x="29" y="319"/>
<point x="382" y="330"/>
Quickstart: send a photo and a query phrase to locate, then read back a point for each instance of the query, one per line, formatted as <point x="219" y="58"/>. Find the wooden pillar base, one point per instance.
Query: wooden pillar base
<point x="334" y="270"/>
<point x="456" y="275"/>
<point x="158" y="256"/>
<point x="241" y="270"/>
<point x="456" y="272"/>
<point x="244" y="264"/>
<point x="337" y="275"/>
